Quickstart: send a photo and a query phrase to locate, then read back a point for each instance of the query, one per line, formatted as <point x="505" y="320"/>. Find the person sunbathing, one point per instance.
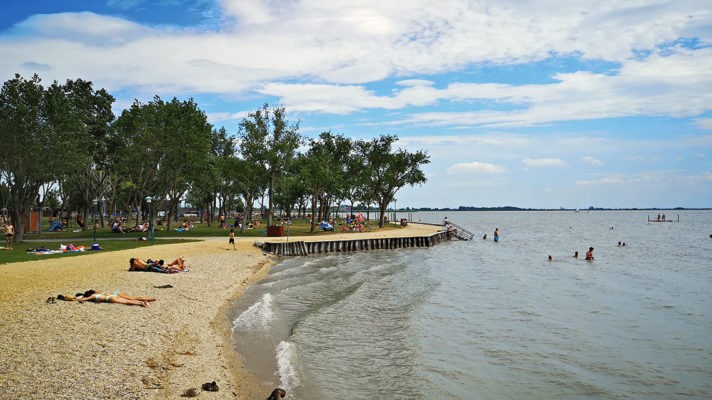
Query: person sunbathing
<point x="137" y="264"/>
<point x="115" y="297"/>
<point x="177" y="265"/>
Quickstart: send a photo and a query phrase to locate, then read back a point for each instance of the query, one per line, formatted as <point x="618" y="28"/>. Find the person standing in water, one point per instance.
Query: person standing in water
<point x="589" y="254"/>
<point x="496" y="234"/>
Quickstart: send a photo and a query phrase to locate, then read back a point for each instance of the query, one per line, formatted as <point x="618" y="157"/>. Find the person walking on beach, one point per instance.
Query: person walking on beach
<point x="589" y="254"/>
<point x="496" y="234"/>
<point x="9" y="234"/>
<point x="232" y="239"/>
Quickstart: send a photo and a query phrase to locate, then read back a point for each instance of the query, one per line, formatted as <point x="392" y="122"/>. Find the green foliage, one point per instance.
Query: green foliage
<point x="389" y="170"/>
<point x="64" y="141"/>
<point x="20" y="253"/>
<point x="268" y="141"/>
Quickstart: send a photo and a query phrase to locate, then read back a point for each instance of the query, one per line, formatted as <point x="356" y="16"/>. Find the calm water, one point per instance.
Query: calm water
<point x="489" y="320"/>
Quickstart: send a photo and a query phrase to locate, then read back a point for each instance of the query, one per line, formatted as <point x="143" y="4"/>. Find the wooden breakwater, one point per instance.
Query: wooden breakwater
<point x="303" y="248"/>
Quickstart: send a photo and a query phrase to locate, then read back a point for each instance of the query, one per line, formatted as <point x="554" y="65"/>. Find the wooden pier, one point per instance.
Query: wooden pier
<point x="303" y="248"/>
<point x="662" y="219"/>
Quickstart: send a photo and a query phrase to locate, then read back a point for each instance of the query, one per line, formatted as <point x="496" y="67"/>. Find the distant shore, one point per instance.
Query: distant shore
<point x="113" y="351"/>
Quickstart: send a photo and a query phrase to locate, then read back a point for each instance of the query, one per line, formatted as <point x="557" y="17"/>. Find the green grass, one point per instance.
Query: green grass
<point x="111" y="241"/>
<point x="19" y="251"/>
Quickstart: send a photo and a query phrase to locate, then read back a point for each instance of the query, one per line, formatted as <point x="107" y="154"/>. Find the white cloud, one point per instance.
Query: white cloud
<point x="300" y="50"/>
<point x="543" y="162"/>
<point x="475" y="167"/>
<point x="591" y="160"/>
<point x="601" y="181"/>
<point x="704" y="123"/>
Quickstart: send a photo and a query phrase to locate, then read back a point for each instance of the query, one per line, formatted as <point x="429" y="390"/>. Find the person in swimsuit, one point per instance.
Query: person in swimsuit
<point x="137" y="264"/>
<point x="115" y="297"/>
<point x="9" y="233"/>
<point x="231" y="239"/>
<point x="176" y="265"/>
<point x="589" y="254"/>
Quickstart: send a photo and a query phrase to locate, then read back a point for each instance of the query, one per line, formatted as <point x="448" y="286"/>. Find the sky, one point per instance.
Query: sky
<point x="533" y="104"/>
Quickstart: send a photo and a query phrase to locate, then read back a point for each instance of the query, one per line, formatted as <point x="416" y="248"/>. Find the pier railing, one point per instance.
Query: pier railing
<point x="458" y="231"/>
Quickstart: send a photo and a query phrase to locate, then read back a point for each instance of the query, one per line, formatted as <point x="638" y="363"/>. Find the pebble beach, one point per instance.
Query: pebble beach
<point x="69" y="350"/>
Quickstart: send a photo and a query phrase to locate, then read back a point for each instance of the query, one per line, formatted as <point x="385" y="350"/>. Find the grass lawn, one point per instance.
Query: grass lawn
<point x="111" y="241"/>
<point x="19" y="250"/>
<point x="298" y="227"/>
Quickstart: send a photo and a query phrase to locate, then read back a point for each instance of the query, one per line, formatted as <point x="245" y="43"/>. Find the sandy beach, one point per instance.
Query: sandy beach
<point x="69" y="350"/>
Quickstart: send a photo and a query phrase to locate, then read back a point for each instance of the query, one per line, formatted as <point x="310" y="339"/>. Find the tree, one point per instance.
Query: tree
<point x="90" y="169"/>
<point x="322" y="171"/>
<point x="267" y="140"/>
<point x="165" y="143"/>
<point x="42" y="131"/>
<point x="224" y="170"/>
<point x="251" y="183"/>
<point x="185" y="135"/>
<point x="390" y="170"/>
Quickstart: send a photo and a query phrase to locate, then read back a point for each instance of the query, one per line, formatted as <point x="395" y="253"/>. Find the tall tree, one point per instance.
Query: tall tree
<point x="269" y="141"/>
<point x="322" y="171"/>
<point x="165" y="143"/>
<point x="91" y="167"/>
<point x="24" y="132"/>
<point x="140" y="154"/>
<point x="42" y="131"/>
<point x="185" y="135"/>
<point x="390" y="170"/>
<point x="251" y="182"/>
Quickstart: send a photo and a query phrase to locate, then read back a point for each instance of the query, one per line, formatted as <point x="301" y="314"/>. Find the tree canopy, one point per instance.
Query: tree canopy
<point x="62" y="145"/>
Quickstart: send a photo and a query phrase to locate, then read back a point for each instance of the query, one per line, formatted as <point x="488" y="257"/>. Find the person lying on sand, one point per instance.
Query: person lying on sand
<point x="177" y="265"/>
<point x="137" y="264"/>
<point x="115" y="297"/>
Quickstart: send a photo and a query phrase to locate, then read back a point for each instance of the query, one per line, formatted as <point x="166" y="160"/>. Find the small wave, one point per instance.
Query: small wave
<point x="287" y="362"/>
<point x="257" y="317"/>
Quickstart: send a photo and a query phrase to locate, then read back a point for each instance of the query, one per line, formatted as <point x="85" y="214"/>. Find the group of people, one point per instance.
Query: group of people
<point x="589" y="254"/>
<point x="149" y="265"/>
<point x="116" y="226"/>
<point x="588" y="257"/>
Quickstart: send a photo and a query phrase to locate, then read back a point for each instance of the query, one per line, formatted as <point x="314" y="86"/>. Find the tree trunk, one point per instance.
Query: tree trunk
<point x="382" y="213"/>
<point x="270" y="204"/>
<point x="313" y="218"/>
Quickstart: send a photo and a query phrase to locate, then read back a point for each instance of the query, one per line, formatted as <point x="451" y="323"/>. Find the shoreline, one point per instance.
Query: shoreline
<point x="112" y="351"/>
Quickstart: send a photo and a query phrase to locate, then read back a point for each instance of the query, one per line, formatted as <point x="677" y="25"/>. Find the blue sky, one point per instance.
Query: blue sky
<point x="544" y="104"/>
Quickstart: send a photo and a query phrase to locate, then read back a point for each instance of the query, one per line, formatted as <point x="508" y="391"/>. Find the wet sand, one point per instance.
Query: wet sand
<point x="69" y="350"/>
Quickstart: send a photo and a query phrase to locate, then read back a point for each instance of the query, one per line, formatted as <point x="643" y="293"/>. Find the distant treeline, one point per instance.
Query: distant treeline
<point x="511" y="208"/>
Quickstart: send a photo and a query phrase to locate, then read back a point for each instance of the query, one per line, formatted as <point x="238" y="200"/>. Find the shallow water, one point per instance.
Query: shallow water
<point x="489" y="320"/>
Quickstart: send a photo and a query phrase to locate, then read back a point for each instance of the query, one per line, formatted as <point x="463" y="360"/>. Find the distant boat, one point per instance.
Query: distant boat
<point x="576" y="210"/>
